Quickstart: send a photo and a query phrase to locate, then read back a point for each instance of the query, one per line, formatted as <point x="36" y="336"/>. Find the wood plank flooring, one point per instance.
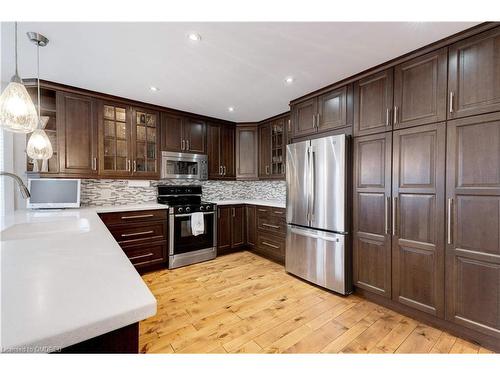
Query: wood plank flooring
<point x="242" y="303"/>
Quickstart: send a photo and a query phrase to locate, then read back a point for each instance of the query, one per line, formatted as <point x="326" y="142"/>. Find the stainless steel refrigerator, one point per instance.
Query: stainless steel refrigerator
<point x="317" y="232"/>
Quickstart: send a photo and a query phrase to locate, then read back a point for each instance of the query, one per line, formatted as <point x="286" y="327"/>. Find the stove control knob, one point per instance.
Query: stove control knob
<point x="188" y="209"/>
<point x="208" y="208"/>
<point x="180" y="209"/>
<point x="202" y="208"/>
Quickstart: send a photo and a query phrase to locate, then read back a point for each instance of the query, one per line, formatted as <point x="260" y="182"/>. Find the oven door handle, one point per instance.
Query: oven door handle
<point x="184" y="215"/>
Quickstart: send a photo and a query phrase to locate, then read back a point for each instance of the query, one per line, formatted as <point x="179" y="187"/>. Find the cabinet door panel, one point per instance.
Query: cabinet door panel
<point x="473" y="235"/>
<point x="228" y="151"/>
<point x="171" y="132"/>
<point x="251" y="226"/>
<point x="372" y="192"/>
<point x="474" y="77"/>
<point x="237" y="226"/>
<point x="247" y="166"/>
<point x="418" y="215"/>
<point x="223" y="228"/>
<point x="77" y="134"/>
<point x="145" y="145"/>
<point x="420" y="90"/>
<point x="194" y="134"/>
<point x="332" y="109"/>
<point x="265" y="150"/>
<point x="373" y="103"/>
<point x="213" y="151"/>
<point x="303" y="117"/>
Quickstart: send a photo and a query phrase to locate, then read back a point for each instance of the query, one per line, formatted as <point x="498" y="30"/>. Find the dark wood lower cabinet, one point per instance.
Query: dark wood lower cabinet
<point x="223" y="229"/>
<point x="418" y="166"/>
<point x="251" y="226"/>
<point x="473" y="224"/>
<point x="142" y="235"/>
<point x="230" y="228"/>
<point x="372" y="192"/>
<point x="120" y="341"/>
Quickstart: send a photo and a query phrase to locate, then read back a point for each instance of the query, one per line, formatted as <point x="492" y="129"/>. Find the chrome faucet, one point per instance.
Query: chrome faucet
<point x="22" y="187"/>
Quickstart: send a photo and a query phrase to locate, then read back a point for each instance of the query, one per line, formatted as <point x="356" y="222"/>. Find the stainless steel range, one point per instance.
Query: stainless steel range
<point x="192" y="225"/>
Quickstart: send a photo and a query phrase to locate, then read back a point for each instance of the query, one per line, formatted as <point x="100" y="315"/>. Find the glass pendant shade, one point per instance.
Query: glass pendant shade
<point x="17" y="111"/>
<point x="39" y="146"/>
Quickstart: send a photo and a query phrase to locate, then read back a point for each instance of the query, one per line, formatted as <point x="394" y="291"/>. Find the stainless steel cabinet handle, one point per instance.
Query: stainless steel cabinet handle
<point x="386" y="214"/>
<point x="450" y="204"/>
<point x="136" y="217"/>
<point x="395" y="115"/>
<point x="128" y="165"/>
<point x="220" y="170"/>
<point x="289" y="125"/>
<point x="279" y="212"/>
<point x="135" y="166"/>
<point x="183" y="144"/>
<point x="187" y="144"/>
<point x="314" y="121"/>
<point x="317" y="121"/>
<point x="270" y="245"/>
<point x="267" y="169"/>
<point x="224" y="170"/>
<point x="394" y="215"/>
<point x="451" y="101"/>
<point x="233" y="211"/>
<point x="262" y="210"/>
<point x="270" y="226"/>
<point x="141" y="256"/>
<point x="137" y="233"/>
<point x="94" y="164"/>
<point x="387" y="115"/>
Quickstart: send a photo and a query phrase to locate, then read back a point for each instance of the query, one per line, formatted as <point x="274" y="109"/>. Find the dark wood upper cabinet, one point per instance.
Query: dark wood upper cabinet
<point x="371" y="218"/>
<point x="332" y="110"/>
<point x="247" y="151"/>
<point x="181" y="134"/>
<point x="115" y="140"/>
<point x="304" y="117"/>
<point x="77" y="133"/>
<point x="145" y="145"/>
<point x="227" y="154"/>
<point x="474" y="77"/>
<point x="265" y="150"/>
<point x="214" y="151"/>
<point x="171" y="133"/>
<point x="221" y="151"/>
<point x="473" y="223"/>
<point x="420" y="90"/>
<point x="373" y="103"/>
<point x="418" y="230"/>
<point x="194" y="135"/>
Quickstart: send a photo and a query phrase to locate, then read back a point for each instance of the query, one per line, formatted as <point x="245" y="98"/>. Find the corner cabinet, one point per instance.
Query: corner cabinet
<point x="272" y="147"/>
<point x="247" y="151"/>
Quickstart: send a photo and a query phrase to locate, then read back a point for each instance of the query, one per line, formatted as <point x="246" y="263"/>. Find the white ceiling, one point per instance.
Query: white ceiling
<point x="242" y="65"/>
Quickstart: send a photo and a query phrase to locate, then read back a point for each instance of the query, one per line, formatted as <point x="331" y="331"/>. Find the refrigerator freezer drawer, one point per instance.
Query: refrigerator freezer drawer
<point x="318" y="257"/>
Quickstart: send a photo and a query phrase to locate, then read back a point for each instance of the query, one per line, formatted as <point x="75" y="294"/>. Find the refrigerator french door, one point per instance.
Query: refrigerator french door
<point x="316" y="212"/>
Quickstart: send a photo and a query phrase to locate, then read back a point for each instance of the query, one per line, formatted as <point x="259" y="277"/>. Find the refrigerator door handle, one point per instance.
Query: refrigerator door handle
<point x="312" y="182"/>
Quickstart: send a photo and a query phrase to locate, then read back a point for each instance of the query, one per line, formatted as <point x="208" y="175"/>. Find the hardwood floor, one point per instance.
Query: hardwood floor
<point x="242" y="303"/>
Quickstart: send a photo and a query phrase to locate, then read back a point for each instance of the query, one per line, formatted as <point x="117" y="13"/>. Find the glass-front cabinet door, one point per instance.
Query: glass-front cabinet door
<point x="114" y="140"/>
<point x="145" y="132"/>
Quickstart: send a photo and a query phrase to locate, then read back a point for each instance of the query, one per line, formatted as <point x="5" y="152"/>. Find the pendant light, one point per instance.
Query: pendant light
<point x="17" y="112"/>
<point x="39" y="146"/>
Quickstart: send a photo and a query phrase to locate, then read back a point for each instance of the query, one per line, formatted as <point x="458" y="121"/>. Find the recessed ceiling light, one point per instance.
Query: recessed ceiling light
<point x="231" y="109"/>
<point x="153" y="88"/>
<point x="289" y="80"/>
<point x="194" y="37"/>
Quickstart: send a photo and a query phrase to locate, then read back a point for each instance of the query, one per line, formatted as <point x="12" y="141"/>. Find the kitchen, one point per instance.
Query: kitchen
<point x="361" y="216"/>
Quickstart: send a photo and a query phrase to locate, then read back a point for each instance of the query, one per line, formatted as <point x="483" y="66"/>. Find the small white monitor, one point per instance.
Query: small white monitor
<point x="54" y="193"/>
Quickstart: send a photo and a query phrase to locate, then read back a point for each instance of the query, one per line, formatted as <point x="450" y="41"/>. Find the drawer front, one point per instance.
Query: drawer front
<point x="271" y="246"/>
<point x="130" y="233"/>
<point x="133" y="216"/>
<point x="146" y="254"/>
<point x="272" y="224"/>
<point x="271" y="211"/>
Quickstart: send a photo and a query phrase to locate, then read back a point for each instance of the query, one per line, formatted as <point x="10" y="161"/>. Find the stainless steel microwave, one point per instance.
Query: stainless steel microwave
<point x="181" y="165"/>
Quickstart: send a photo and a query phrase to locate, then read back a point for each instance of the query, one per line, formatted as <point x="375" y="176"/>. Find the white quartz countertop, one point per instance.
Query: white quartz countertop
<point x="64" y="279"/>
<point x="257" y="202"/>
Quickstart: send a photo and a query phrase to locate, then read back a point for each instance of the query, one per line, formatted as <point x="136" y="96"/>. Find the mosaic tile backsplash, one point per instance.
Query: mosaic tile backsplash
<point x="116" y="192"/>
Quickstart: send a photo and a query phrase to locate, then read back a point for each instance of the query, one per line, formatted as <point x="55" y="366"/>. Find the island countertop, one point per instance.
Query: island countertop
<point x="64" y="279"/>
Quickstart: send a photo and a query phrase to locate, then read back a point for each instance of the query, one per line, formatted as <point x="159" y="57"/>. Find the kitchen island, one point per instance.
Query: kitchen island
<point x="65" y="280"/>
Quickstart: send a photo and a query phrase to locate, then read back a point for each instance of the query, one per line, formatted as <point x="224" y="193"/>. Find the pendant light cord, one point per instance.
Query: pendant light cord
<point x="38" y="77"/>
<point x="15" y="38"/>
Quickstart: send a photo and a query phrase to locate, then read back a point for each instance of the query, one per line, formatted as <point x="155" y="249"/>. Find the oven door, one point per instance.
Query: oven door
<point x="181" y="238"/>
